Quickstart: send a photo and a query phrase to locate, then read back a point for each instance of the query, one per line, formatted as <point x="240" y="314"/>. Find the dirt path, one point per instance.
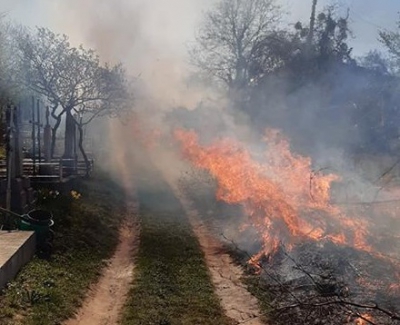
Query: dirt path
<point x="237" y="302"/>
<point x="107" y="297"/>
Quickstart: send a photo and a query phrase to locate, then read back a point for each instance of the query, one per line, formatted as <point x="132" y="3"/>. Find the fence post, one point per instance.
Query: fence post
<point x="60" y="170"/>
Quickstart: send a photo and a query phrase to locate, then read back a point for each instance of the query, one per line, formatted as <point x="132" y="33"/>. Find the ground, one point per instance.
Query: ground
<point x="182" y="275"/>
<point x="166" y="269"/>
<point x="107" y="297"/>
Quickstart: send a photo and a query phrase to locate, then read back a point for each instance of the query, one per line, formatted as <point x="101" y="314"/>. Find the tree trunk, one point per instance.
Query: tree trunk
<point x="310" y="35"/>
<point x="70" y="129"/>
<point x="47" y="143"/>
<point x="82" y="150"/>
<point x="54" y="136"/>
<point x="18" y="170"/>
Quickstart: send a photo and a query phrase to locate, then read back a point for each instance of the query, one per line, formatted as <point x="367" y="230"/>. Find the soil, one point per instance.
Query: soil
<point x="106" y="298"/>
<point x="236" y="300"/>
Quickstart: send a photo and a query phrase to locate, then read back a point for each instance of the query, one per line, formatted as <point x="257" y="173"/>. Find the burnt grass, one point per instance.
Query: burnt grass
<point x="172" y="285"/>
<point x="316" y="283"/>
<point x="48" y="291"/>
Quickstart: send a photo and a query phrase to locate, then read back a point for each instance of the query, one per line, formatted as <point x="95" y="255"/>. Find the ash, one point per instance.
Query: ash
<point x="323" y="283"/>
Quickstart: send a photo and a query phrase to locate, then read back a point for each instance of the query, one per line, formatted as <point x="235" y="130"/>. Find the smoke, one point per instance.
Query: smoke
<point x="151" y="39"/>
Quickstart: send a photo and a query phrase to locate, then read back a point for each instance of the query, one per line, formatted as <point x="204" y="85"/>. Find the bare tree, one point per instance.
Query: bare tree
<point x="230" y="36"/>
<point x="391" y="40"/>
<point x="118" y="103"/>
<point x="72" y="79"/>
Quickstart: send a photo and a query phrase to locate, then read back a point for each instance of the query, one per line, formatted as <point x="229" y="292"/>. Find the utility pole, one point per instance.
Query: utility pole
<point x="310" y="35"/>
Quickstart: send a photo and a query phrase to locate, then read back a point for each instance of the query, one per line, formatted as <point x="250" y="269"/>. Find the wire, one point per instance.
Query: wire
<point x="362" y="18"/>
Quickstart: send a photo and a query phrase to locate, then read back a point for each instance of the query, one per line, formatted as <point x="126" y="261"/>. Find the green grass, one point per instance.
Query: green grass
<point x="172" y="285"/>
<point x="49" y="291"/>
<point x="211" y="210"/>
<point x="257" y="287"/>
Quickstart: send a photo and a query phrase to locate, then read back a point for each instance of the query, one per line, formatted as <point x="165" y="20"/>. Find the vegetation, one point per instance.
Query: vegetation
<point x="172" y="284"/>
<point x="72" y="79"/>
<point x="302" y="79"/>
<point x="86" y="233"/>
<point x="229" y="38"/>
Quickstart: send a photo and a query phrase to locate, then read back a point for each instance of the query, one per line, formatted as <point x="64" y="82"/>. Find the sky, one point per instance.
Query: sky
<point x="366" y="16"/>
<point x="151" y="37"/>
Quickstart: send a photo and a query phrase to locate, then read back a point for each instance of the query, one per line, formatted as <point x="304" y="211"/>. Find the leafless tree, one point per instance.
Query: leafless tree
<point x="230" y="37"/>
<point x="118" y="103"/>
<point x="73" y="81"/>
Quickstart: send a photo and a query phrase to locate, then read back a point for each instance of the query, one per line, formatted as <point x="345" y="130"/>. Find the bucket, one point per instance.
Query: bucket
<point x="39" y="221"/>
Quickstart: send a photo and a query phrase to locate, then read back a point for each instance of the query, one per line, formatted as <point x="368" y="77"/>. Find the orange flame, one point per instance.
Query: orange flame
<point x="365" y="319"/>
<point x="279" y="194"/>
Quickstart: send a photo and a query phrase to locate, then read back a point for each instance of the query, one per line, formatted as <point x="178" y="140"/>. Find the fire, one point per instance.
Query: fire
<point x="285" y="199"/>
<point x="394" y="288"/>
<point x="364" y="319"/>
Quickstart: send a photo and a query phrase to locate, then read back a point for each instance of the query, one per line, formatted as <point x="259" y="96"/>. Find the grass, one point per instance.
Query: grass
<point x="217" y="214"/>
<point x="48" y="291"/>
<point x="172" y="285"/>
<point x="257" y="287"/>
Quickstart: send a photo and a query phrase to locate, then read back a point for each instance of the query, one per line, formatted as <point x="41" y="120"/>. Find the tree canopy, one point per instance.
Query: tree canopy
<point x="229" y="38"/>
<point x="72" y="79"/>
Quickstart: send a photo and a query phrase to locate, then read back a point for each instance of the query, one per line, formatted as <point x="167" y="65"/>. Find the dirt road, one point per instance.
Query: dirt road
<point x="106" y="298"/>
<point x="237" y="302"/>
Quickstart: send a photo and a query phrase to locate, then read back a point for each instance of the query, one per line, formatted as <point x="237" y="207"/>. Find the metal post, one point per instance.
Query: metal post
<point x="9" y="157"/>
<point x="38" y="130"/>
<point x="17" y="153"/>
<point x="75" y="148"/>
<point x="60" y="170"/>
<point x="33" y="136"/>
<point x="47" y="137"/>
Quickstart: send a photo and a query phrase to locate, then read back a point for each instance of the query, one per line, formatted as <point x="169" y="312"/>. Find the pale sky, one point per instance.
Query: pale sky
<point x="150" y="37"/>
<point x="366" y="16"/>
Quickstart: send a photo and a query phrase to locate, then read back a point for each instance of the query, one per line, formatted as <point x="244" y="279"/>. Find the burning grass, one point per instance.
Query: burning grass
<point x="172" y="284"/>
<point x="314" y="283"/>
<point x="315" y="262"/>
<point x="47" y="291"/>
<point x="274" y="194"/>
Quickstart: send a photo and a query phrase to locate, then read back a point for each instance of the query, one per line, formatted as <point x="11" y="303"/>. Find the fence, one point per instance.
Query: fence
<point x="57" y="170"/>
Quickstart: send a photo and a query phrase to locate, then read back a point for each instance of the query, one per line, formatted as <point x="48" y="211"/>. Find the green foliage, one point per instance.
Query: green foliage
<point x="324" y="45"/>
